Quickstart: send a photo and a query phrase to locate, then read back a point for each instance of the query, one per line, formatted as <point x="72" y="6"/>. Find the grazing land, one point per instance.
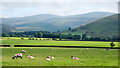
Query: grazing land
<point x="18" y="41"/>
<point x="90" y="57"/>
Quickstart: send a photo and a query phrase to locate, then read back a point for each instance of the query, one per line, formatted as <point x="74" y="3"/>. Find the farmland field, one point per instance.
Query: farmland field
<point x="18" y="41"/>
<point x="90" y="57"/>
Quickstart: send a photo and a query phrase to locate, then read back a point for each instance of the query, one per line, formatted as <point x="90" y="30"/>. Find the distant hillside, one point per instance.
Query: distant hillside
<point x="107" y="27"/>
<point x="6" y="28"/>
<point x="49" y="22"/>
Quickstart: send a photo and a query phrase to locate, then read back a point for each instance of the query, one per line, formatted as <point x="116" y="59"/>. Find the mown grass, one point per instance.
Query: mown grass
<point x="13" y="42"/>
<point x="90" y="57"/>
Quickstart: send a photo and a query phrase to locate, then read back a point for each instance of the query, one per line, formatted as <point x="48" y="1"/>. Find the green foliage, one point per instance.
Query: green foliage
<point x="69" y="28"/>
<point x="112" y="44"/>
<point x="77" y="37"/>
<point x="60" y="36"/>
<point x="4" y="35"/>
<point x="40" y="35"/>
<point x="12" y="35"/>
<point x="22" y="38"/>
<point x="84" y="36"/>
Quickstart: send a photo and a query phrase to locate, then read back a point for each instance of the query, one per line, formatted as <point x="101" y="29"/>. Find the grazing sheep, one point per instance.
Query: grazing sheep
<point x="51" y="57"/>
<point x="23" y="51"/>
<point x="30" y="56"/>
<point x="17" y="55"/>
<point x="74" y="58"/>
<point x="107" y="48"/>
<point x="47" y="59"/>
<point x="86" y="48"/>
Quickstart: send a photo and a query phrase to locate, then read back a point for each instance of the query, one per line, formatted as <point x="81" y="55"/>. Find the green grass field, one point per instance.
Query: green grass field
<point x="90" y="57"/>
<point x="57" y="43"/>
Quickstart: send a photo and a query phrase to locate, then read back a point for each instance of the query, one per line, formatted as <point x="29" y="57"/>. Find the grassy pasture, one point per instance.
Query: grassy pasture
<point x="16" y="38"/>
<point x="90" y="57"/>
<point x="56" y="43"/>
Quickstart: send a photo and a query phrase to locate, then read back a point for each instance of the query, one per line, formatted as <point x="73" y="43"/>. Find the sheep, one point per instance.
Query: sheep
<point x="51" y="57"/>
<point x="86" y="48"/>
<point x="17" y="55"/>
<point x="23" y="51"/>
<point x="48" y="58"/>
<point x="74" y="58"/>
<point x="107" y="48"/>
<point x="28" y="56"/>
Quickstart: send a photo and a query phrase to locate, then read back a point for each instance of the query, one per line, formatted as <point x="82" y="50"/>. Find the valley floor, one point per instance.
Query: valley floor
<point x="90" y="57"/>
<point x="13" y="42"/>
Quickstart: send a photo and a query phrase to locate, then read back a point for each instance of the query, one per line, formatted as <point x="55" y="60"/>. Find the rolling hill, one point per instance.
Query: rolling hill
<point x="6" y="28"/>
<point x="49" y="22"/>
<point x="106" y="27"/>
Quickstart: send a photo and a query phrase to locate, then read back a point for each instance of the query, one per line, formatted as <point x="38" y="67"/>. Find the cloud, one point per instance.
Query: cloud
<point x="21" y="9"/>
<point x="59" y="0"/>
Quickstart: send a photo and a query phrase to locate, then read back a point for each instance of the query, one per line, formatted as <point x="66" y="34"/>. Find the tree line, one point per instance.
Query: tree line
<point x="46" y="34"/>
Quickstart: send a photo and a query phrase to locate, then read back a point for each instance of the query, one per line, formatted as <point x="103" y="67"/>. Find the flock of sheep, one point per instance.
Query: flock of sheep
<point x="28" y="56"/>
<point x="47" y="58"/>
<point x="20" y="55"/>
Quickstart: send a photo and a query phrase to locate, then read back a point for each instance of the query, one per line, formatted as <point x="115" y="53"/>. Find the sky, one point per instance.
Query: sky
<point x="16" y="8"/>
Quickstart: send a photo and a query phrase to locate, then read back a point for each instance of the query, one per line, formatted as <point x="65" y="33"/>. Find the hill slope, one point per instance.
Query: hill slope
<point x="6" y="28"/>
<point x="52" y="23"/>
<point x="107" y="27"/>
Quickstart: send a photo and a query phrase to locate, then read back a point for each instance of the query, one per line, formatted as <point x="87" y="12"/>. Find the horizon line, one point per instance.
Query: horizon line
<point x="63" y="15"/>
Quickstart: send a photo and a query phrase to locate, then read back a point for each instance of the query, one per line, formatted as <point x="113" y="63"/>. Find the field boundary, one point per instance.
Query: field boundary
<point x="58" y="46"/>
<point x="5" y="46"/>
<point x="63" y="46"/>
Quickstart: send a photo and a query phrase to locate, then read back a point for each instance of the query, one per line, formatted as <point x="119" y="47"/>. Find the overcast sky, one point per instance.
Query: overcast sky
<point x="63" y="8"/>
